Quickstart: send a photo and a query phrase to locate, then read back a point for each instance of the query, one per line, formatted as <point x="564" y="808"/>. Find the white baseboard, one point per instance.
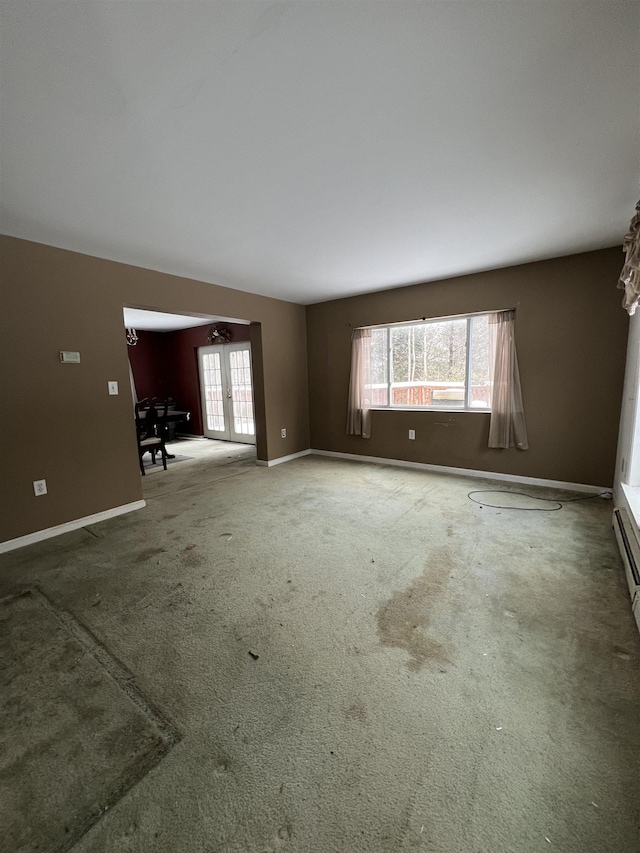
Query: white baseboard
<point x="39" y="535"/>
<point x="281" y="459"/>
<point x="468" y="472"/>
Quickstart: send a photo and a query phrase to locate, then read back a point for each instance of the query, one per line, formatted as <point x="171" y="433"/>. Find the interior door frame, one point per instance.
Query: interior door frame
<point x="228" y="434"/>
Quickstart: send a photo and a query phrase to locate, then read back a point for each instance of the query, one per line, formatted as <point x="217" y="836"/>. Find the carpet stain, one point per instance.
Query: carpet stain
<point x="281" y="837"/>
<point x="404" y="619"/>
<point x="147" y="554"/>
<point x="357" y="711"/>
<point x="621" y="653"/>
<point x="222" y="764"/>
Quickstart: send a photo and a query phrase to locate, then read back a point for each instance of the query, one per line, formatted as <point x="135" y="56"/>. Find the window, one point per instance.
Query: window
<point x="437" y="364"/>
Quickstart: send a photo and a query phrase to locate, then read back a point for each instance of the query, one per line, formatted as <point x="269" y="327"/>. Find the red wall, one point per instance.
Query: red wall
<point x="165" y="364"/>
<point x="148" y="360"/>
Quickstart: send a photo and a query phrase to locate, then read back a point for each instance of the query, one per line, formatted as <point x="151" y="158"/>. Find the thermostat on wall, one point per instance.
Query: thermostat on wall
<point x="69" y="357"/>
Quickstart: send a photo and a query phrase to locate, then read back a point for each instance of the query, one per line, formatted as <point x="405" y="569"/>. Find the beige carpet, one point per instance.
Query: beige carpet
<point x="360" y="660"/>
<point x="75" y="735"/>
<point x="151" y="468"/>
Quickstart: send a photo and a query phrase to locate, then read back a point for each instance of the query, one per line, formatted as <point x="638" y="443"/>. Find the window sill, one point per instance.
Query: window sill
<point x="632" y="495"/>
<point x="437" y="409"/>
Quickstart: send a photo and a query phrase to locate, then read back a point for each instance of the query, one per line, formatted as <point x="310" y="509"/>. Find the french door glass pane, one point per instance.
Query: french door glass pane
<point x="241" y="392"/>
<point x="213" y="391"/>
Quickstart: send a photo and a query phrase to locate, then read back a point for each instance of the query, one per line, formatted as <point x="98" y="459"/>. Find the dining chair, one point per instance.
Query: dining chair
<point x="151" y="431"/>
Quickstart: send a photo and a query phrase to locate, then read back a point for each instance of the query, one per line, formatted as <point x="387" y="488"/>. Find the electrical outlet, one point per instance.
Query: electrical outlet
<point x="113" y="388"/>
<point x="39" y="487"/>
<point x="412" y="434"/>
<point x="283" y="433"/>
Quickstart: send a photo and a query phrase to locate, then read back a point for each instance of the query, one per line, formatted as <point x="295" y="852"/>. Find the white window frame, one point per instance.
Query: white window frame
<point x="467" y="388"/>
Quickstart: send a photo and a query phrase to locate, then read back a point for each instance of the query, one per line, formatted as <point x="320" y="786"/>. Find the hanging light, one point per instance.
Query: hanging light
<point x="132" y="337"/>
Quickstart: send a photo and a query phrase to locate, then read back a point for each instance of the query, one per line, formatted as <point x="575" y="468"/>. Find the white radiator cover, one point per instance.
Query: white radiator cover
<point x="630" y="552"/>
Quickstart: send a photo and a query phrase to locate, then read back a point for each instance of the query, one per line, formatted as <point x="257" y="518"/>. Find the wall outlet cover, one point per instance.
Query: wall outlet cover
<point x="412" y="434"/>
<point x="113" y="388"/>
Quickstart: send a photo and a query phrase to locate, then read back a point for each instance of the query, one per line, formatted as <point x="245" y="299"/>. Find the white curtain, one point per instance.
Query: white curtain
<point x="358" y="414"/>
<point x="508" y="427"/>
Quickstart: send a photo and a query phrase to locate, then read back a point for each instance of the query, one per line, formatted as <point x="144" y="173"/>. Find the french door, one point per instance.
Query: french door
<point x="227" y="392"/>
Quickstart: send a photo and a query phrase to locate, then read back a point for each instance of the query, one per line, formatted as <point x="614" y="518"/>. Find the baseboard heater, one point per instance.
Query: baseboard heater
<point x="630" y="551"/>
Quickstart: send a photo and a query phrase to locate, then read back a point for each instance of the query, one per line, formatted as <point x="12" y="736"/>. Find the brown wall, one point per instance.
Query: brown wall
<point x="58" y="421"/>
<point x="571" y="336"/>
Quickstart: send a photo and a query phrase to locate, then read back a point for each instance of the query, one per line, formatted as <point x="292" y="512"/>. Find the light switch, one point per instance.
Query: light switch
<point x="40" y="487"/>
<point x="113" y="388"/>
<point x="412" y="434"/>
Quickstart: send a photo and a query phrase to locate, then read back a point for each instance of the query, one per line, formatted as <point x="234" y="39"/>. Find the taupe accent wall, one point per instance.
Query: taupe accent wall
<point x="58" y="422"/>
<point x="571" y="337"/>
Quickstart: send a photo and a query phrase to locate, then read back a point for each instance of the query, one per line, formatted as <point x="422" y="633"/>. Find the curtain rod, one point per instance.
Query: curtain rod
<point x="435" y="319"/>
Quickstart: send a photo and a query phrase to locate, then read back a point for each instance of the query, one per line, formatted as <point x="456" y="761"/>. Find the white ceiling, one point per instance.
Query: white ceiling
<point x="308" y="150"/>
<point x="158" y="321"/>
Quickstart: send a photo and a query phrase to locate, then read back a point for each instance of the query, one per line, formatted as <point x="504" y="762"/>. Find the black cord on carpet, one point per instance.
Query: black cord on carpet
<point x="560" y="504"/>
